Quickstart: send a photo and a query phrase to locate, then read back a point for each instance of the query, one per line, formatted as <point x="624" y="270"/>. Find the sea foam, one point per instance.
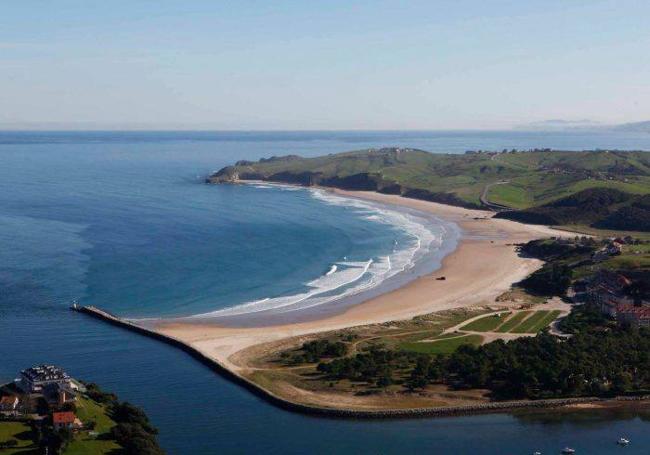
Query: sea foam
<point x="346" y="278"/>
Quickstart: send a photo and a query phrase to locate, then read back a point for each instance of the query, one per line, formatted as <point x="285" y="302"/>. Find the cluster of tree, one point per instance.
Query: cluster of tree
<point x="133" y="431"/>
<point x="635" y="217"/>
<point x="375" y="366"/>
<point x="314" y="351"/>
<point x="552" y="279"/>
<point x="605" y="208"/>
<point x="57" y="440"/>
<point x="598" y="363"/>
<point x="554" y="249"/>
<point x="590" y="363"/>
<point x="584" y="318"/>
<point x="95" y="393"/>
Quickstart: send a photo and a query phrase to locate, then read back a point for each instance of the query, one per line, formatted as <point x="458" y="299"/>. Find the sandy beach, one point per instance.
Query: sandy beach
<point x="484" y="265"/>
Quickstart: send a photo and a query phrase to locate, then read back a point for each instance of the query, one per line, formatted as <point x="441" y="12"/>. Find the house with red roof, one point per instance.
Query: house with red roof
<point x="65" y="419"/>
<point x="9" y="403"/>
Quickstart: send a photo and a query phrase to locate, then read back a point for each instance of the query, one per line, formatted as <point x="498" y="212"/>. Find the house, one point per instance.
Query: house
<point x="633" y="316"/>
<point x="606" y="290"/>
<point x="37" y="379"/>
<point x="9" y="403"/>
<point x="65" y="419"/>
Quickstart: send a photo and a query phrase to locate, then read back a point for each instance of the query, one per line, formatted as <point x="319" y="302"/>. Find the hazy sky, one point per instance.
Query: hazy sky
<point x="322" y="65"/>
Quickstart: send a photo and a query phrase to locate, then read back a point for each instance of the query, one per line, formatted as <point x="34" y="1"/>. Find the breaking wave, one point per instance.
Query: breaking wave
<point x="346" y="278"/>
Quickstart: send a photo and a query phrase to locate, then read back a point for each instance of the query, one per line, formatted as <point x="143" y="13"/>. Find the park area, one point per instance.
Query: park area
<point x="477" y="330"/>
<point x="525" y="322"/>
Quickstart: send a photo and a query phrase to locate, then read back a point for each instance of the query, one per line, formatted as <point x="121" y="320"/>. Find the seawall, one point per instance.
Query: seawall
<point x="502" y="406"/>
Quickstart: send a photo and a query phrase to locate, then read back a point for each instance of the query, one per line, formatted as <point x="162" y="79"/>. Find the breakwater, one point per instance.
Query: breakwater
<point x="446" y="411"/>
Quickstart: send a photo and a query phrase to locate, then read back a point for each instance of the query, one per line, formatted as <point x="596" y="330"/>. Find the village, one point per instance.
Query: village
<point x="46" y="411"/>
<point x="43" y="396"/>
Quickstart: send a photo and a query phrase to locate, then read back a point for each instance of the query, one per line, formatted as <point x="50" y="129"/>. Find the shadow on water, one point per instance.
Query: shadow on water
<point x="591" y="418"/>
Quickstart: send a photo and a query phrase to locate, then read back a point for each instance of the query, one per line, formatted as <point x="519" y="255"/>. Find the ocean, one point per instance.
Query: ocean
<point x="123" y="220"/>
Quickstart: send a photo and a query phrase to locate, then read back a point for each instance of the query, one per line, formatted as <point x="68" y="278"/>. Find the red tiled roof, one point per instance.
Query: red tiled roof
<point x="63" y="417"/>
<point x="9" y="399"/>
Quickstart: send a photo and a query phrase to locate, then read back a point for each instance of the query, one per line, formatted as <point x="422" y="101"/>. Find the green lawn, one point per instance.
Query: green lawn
<point x="442" y="346"/>
<point x="89" y="410"/>
<point x="510" y="195"/>
<point x="513" y="321"/>
<point x="529" y="323"/>
<point x="486" y="324"/>
<point x="19" y="431"/>
<point x="550" y="317"/>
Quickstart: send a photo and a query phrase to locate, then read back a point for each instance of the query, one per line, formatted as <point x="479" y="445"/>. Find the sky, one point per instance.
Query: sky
<point x="320" y="65"/>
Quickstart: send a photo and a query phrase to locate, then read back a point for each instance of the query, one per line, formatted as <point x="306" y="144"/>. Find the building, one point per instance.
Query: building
<point x="606" y="290"/>
<point x="9" y="403"/>
<point x="38" y="378"/>
<point x="633" y="316"/>
<point x="66" y="419"/>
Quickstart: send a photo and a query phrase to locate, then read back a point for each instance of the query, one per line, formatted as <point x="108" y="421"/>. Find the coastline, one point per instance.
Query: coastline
<point x="423" y="262"/>
<point x="483" y="266"/>
<point x="333" y="409"/>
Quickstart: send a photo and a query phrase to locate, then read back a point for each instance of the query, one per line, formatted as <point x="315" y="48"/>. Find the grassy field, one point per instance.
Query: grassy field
<point x="442" y="346"/>
<point x="534" y="178"/>
<point x="528" y="325"/>
<point x="511" y="195"/>
<point x="88" y="410"/>
<point x="546" y="321"/>
<point x="486" y="324"/>
<point x="521" y="322"/>
<point x="19" y="431"/>
<point x="513" y="321"/>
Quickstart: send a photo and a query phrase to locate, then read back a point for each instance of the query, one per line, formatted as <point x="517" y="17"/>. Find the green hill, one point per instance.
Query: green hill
<point x="604" y="208"/>
<point x="509" y="179"/>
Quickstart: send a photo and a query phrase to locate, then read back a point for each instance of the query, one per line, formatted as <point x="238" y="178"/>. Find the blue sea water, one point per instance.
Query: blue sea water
<point x="123" y="221"/>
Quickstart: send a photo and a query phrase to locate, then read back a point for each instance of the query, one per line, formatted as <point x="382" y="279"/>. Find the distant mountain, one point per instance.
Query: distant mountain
<point x="636" y="127"/>
<point x="583" y="125"/>
<point x="560" y="125"/>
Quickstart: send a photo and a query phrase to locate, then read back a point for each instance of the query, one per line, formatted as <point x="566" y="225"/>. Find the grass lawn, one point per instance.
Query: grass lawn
<point x="510" y="195"/>
<point x="19" y="431"/>
<point x="486" y="324"/>
<point x="527" y="325"/>
<point x="550" y="317"/>
<point x="513" y="321"/>
<point x="89" y="410"/>
<point x="442" y="346"/>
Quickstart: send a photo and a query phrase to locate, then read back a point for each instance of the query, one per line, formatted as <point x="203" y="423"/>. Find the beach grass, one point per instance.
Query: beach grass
<point x="442" y="346"/>
<point x="513" y="321"/>
<point x="486" y="324"/>
<point x="19" y="431"/>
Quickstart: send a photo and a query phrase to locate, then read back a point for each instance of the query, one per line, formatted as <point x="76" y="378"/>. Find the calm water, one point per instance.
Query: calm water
<point x="121" y="220"/>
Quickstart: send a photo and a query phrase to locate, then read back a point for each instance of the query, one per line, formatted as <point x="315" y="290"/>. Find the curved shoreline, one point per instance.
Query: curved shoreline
<point x="428" y="263"/>
<point x="483" y="266"/>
